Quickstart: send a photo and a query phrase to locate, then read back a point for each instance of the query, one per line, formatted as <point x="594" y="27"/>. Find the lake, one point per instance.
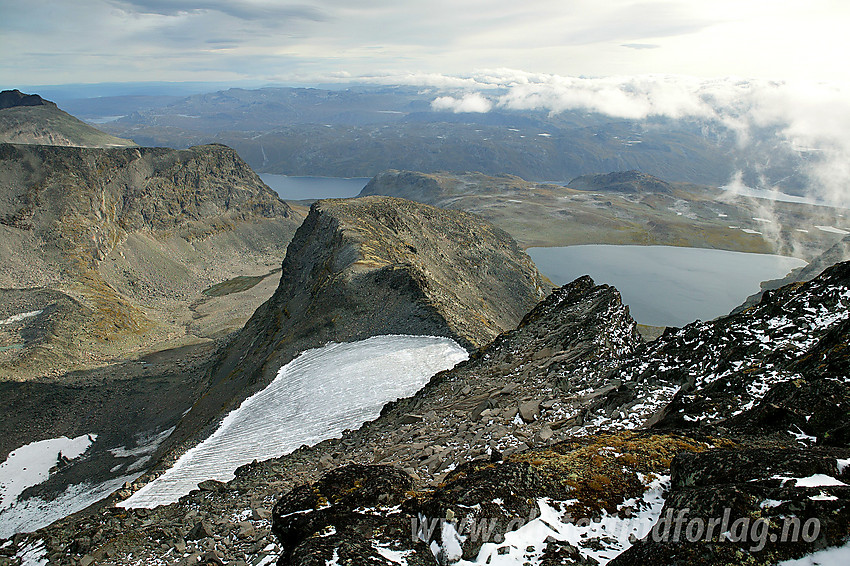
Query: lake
<point x="314" y="188"/>
<point x="663" y="285"/>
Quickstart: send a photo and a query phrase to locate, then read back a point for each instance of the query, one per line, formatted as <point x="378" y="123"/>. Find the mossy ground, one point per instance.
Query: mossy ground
<point x="601" y="472"/>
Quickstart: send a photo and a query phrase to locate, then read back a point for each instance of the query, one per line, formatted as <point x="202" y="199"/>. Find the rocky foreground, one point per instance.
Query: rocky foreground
<point x="566" y="430"/>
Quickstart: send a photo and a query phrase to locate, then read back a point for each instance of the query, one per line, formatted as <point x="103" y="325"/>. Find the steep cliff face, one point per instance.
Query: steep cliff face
<point x="29" y="119"/>
<point x="132" y="234"/>
<point x="378" y="265"/>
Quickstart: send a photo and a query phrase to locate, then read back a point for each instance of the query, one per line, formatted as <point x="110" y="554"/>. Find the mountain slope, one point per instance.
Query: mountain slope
<point x="131" y="237"/>
<point x="29" y="119"/>
<point x="555" y="398"/>
<point x="377" y="265"/>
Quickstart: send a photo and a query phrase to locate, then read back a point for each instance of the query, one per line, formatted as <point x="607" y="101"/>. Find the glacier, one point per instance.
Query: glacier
<point x="314" y="397"/>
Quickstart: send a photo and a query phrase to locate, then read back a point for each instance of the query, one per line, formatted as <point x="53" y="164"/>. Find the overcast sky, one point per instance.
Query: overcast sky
<point x="89" y="41"/>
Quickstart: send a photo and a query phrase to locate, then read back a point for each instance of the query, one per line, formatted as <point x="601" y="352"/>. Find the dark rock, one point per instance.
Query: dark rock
<point x="331" y="502"/>
<point x="748" y="494"/>
<point x="13" y="98"/>
<point x="212" y="485"/>
<point x="201" y="530"/>
<point x="529" y="411"/>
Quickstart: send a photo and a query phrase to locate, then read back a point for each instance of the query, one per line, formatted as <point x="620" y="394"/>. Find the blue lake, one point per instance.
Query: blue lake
<point x="314" y="188"/>
<point x="663" y="285"/>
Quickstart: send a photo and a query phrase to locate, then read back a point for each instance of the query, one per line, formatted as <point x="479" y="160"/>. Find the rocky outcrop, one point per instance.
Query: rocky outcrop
<point x="633" y="182"/>
<point x="767" y="504"/>
<point x="30" y="119"/>
<point x="13" y="98"/>
<point x="377" y="265"/>
<point x="440" y="189"/>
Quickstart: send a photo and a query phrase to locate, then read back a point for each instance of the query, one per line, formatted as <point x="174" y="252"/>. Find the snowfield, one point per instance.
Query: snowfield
<point x="314" y="397"/>
<point x="30" y="465"/>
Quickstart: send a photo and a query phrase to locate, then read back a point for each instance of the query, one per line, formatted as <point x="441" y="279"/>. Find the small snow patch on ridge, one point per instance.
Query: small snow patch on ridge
<point x="19" y="317"/>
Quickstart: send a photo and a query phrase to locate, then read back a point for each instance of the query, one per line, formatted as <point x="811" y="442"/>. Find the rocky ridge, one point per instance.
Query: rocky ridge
<point x="622" y="181"/>
<point x="568" y="414"/>
<point x="369" y="266"/>
<point x="129" y="235"/>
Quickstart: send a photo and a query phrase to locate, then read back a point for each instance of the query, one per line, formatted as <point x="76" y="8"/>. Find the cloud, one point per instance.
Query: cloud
<point x="468" y="103"/>
<point x="241" y="9"/>
<point x="641" y="45"/>
<point x="777" y="125"/>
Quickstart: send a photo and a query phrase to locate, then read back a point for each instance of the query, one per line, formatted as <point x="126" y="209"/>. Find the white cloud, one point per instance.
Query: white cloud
<point x="468" y="103"/>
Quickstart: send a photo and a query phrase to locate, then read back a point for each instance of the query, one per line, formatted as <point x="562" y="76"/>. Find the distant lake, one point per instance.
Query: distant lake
<point x="314" y="188"/>
<point x="664" y="285"/>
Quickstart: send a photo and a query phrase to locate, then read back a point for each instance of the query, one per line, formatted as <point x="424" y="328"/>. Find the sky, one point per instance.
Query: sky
<point x="750" y="65"/>
<point x="92" y="41"/>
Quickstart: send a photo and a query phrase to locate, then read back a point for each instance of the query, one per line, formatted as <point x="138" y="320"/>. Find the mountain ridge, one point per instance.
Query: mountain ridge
<point x="548" y="413"/>
<point x="30" y="119"/>
<point x="376" y="265"/>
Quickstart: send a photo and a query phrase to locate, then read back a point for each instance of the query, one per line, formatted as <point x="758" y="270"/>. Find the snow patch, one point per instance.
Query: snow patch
<point x="33" y="554"/>
<point x="528" y="543"/>
<point x="835" y="556"/>
<point x="394" y="556"/>
<point x="832" y="230"/>
<point x="815" y="480"/>
<point x="34" y="513"/>
<point x="314" y="397"/>
<point x="19" y="317"/>
<point x="30" y="464"/>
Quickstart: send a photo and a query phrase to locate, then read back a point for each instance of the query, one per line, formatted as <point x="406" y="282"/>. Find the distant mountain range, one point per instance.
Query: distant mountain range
<point x="361" y="131"/>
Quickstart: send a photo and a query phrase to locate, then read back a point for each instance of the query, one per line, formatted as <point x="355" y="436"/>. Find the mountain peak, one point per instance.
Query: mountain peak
<point x="13" y="98"/>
